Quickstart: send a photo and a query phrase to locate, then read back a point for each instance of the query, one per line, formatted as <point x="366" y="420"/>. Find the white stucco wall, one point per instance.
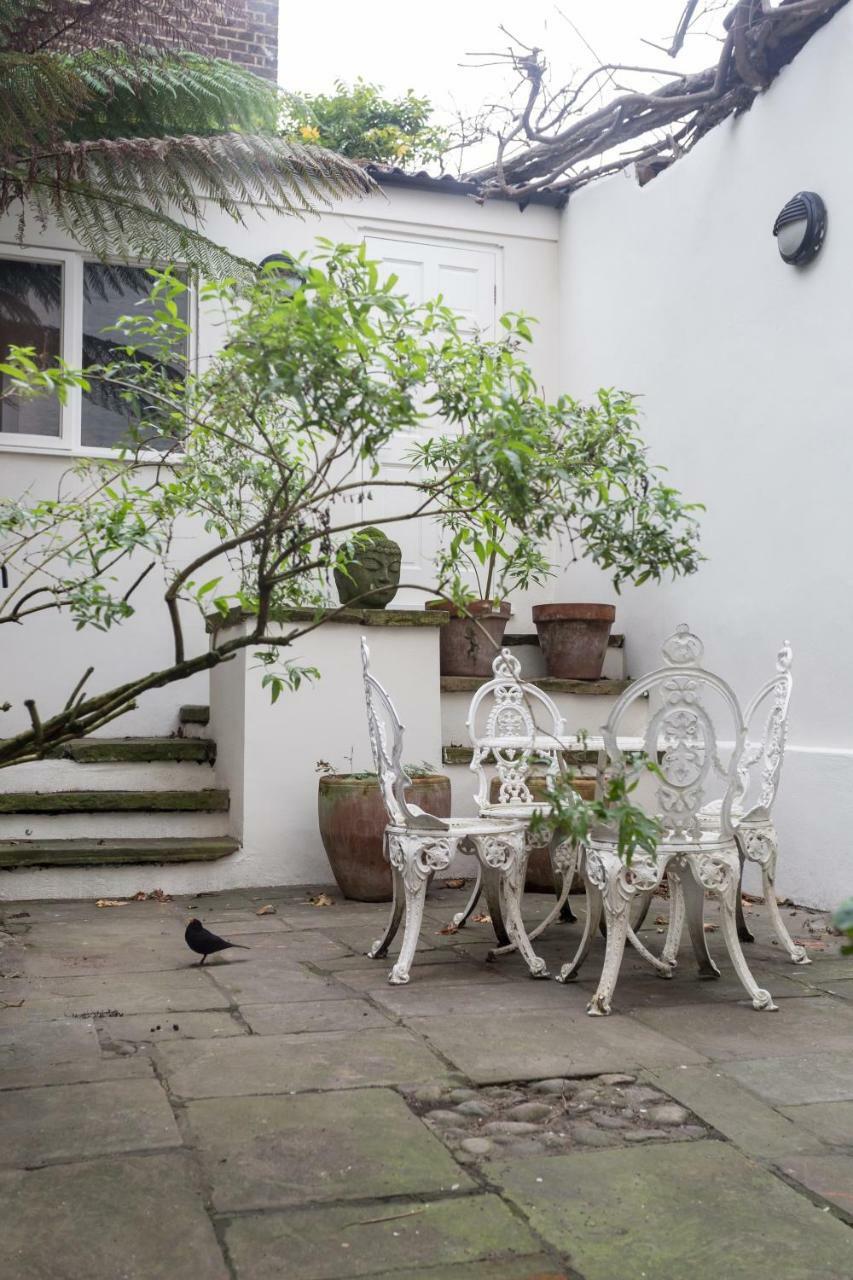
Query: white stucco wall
<point x="676" y="291"/>
<point x="44" y="658"/>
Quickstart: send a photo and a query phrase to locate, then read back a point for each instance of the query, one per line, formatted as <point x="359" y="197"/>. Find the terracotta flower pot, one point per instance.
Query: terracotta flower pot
<point x="540" y="877"/>
<point x="464" y="650"/>
<point x="573" y="638"/>
<point x="352" y="822"/>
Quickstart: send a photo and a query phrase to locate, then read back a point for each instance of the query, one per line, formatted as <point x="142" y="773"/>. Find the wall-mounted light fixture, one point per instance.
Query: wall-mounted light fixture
<point x="286" y="266"/>
<point x="800" y="228"/>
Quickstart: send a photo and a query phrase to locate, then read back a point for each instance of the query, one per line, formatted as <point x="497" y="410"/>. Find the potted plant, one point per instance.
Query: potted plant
<point x="469" y="641"/>
<point x="353" y="820"/>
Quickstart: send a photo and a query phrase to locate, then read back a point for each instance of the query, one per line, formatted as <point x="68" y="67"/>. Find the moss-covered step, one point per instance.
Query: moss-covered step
<point x="24" y="854"/>
<point x="141" y="750"/>
<point x="212" y="800"/>
<point x="194" y="713"/>
<point x="552" y="684"/>
<point x="454" y="754"/>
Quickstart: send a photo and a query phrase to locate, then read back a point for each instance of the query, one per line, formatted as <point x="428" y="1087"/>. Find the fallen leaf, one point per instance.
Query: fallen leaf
<point x="320" y="900"/>
<point x="450" y="928"/>
<point x="811" y="944"/>
<point x="481" y="919"/>
<point x="458" y="883"/>
<point x="660" y="920"/>
<point x="112" y="902"/>
<point x="710" y="928"/>
<point x="268" y="910"/>
<point x="11" y="1004"/>
<point x="159" y="895"/>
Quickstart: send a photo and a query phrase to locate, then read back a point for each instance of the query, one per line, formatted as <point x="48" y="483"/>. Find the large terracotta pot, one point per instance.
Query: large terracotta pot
<point x="573" y="638"/>
<point x="540" y="878"/>
<point x="352" y="822"/>
<point x="463" y="649"/>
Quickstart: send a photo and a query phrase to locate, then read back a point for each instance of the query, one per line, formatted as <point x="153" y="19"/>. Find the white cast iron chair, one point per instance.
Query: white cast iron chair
<point x="419" y="844"/>
<point x="681" y="735"/>
<point x="754" y="828"/>
<point x="515" y="726"/>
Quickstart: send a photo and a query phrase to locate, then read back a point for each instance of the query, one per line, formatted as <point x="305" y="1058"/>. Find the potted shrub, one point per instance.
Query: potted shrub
<point x="469" y="641"/>
<point x="353" y="820"/>
<point x="573" y="638"/>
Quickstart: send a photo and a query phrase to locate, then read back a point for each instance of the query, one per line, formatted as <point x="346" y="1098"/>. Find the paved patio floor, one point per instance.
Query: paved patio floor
<point x="283" y="1114"/>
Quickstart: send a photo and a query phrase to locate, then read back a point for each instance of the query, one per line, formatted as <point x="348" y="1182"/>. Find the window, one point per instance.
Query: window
<point x="63" y="306"/>
<point x="30" y="316"/>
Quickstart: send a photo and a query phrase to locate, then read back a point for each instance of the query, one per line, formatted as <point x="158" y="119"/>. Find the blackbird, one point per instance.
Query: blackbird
<point x="204" y="943"/>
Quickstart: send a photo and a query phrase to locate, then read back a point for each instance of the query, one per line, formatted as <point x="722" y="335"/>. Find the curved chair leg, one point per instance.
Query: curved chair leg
<point x="743" y="930"/>
<point x="415" y="896"/>
<point x="414" y="858"/>
<point x="617" y="933"/>
<point x="594" y="909"/>
<point x="494" y="901"/>
<point x="461" y="917"/>
<point x="693" y="896"/>
<point x="380" y="947"/>
<point x="569" y="862"/>
<point x="644" y="901"/>
<point x="719" y="873"/>
<point x="662" y="965"/>
<point x="798" y="954"/>
<point x="675" y="928"/>
<point x="511" y="889"/>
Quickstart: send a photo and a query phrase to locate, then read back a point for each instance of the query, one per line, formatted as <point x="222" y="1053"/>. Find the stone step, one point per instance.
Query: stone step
<point x="21" y="854"/>
<point x="194" y="713"/>
<point x="141" y="750"/>
<point x="453" y="755"/>
<point x="206" y="800"/>
<point x="551" y="684"/>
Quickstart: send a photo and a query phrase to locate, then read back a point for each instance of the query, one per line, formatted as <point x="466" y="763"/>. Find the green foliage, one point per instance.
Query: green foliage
<point x="122" y="138"/>
<point x="843" y="920"/>
<point x="278" y="438"/>
<point x="613" y="812"/>
<point x="359" y="122"/>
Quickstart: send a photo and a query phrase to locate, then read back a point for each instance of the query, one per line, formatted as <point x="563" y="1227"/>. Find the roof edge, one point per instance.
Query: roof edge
<point x="446" y="184"/>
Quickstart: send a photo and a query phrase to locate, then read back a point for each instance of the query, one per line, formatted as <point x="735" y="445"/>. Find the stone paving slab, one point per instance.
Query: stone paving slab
<point x="271" y="980"/>
<point x="645" y="990"/>
<point x="133" y="1218"/>
<point x="346" y="1242"/>
<point x="424" y="977"/>
<point x="829" y="1176"/>
<point x="38" y="1044"/>
<point x="261" y="1153"/>
<point x="82" y="1071"/>
<point x="297" y="944"/>
<point x="46" y="998"/>
<point x="67" y="1122"/>
<point x="527" y="1046"/>
<point x="151" y="1028"/>
<point x="448" y="1000"/>
<point x="667" y="1212"/>
<point x="739" y="1031"/>
<point x="296" y="1063"/>
<point x="816" y="1077"/>
<point x="736" y="1113"/>
<point x="832" y="1122"/>
<point x="541" y="1267"/>
<point x="328" y="1015"/>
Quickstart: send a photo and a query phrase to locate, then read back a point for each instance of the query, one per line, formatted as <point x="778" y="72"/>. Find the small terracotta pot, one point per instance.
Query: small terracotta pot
<point x="352" y="823"/>
<point x="573" y="638"/>
<point x="540" y="877"/>
<point x="463" y="649"/>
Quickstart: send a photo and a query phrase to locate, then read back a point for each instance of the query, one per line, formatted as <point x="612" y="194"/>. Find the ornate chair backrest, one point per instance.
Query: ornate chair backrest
<point x="681" y="736"/>
<point x="517" y="726"/>
<point x="386" y="743"/>
<point x="772" y="700"/>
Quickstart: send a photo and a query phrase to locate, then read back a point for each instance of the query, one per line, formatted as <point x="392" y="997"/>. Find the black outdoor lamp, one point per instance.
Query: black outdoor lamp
<point x="286" y="266"/>
<point x="800" y="228"/>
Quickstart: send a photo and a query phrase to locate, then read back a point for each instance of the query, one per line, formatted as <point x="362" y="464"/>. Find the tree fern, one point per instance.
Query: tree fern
<point x="124" y="142"/>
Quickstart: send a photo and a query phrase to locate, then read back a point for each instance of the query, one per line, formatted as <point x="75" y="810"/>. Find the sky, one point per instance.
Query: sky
<point x="403" y="45"/>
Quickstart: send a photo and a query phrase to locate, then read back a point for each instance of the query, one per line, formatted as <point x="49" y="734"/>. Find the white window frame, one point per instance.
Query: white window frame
<point x="70" y="438"/>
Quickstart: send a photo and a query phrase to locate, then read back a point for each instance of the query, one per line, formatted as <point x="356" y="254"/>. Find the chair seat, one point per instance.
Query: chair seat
<point x="516" y="812"/>
<point x="709" y="841"/>
<point x="458" y="828"/>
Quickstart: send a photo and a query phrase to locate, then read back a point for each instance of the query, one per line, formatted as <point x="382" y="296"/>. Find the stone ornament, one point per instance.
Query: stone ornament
<point x="419" y="844"/>
<point x="372" y="574"/>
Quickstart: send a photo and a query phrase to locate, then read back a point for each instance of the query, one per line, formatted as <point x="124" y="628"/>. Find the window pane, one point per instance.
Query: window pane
<point x="111" y="291"/>
<point x="30" y="316"/>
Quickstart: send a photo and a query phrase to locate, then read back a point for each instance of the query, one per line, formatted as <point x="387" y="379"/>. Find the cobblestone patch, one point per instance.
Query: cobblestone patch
<point x="552" y="1116"/>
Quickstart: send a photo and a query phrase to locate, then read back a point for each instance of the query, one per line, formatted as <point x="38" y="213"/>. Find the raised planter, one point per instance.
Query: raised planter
<point x="540" y="877"/>
<point x="352" y="823"/>
<point x="463" y="648"/>
<point x="574" y="638"/>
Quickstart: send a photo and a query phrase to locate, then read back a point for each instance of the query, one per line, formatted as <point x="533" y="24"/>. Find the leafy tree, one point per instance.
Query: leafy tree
<point x="112" y="125"/>
<point x="275" y="445"/>
<point x="359" y="122"/>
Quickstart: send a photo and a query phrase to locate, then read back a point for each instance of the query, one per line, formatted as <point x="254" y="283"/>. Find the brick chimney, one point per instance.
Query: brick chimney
<point x="249" y="36"/>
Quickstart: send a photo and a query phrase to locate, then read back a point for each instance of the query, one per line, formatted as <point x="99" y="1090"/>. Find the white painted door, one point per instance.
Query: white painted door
<point x="466" y="278"/>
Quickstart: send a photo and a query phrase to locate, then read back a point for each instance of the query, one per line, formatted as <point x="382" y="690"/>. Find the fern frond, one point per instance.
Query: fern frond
<point x="30" y="26"/>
